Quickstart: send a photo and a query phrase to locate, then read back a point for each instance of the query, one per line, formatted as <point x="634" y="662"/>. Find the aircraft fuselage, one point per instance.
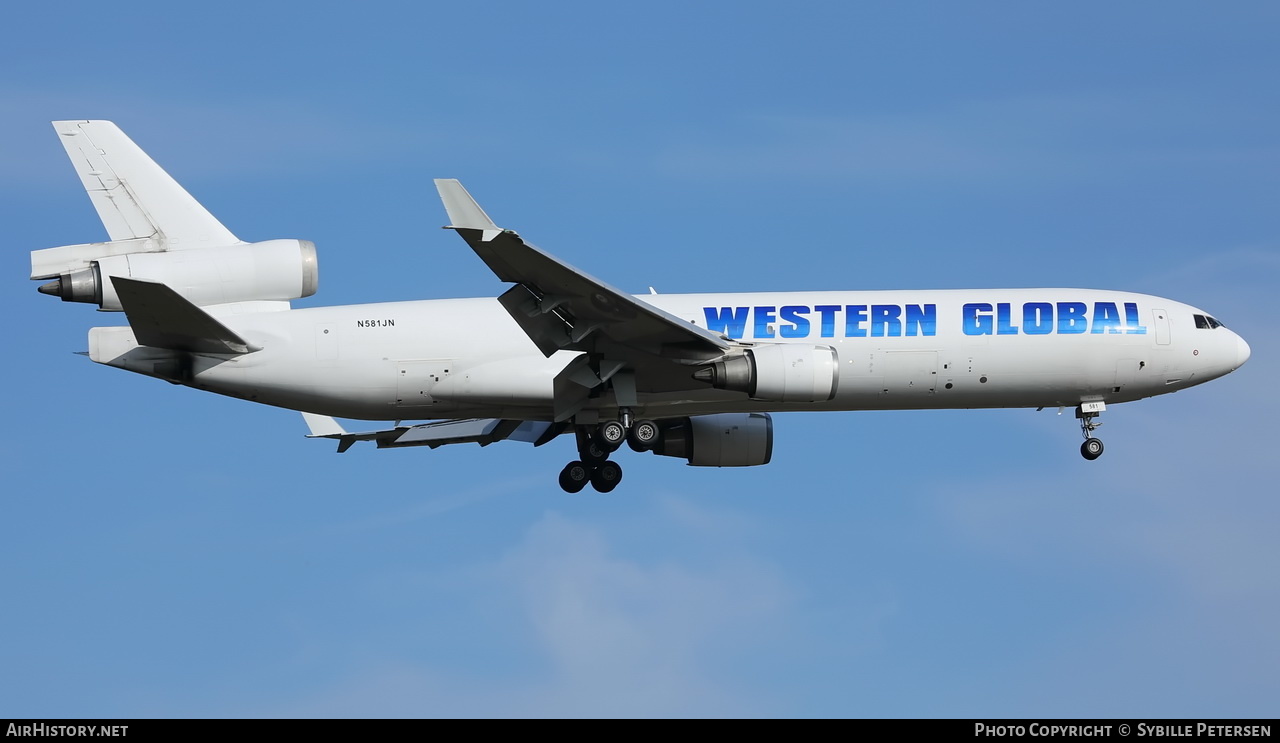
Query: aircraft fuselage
<point x="452" y="358"/>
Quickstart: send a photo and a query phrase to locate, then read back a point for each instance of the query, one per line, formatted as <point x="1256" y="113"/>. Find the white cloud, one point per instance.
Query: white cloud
<point x="615" y="636"/>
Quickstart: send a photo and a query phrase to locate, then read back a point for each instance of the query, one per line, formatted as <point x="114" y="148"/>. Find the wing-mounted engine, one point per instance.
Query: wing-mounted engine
<point x="159" y="233"/>
<point x="778" y="372"/>
<point x="721" y="440"/>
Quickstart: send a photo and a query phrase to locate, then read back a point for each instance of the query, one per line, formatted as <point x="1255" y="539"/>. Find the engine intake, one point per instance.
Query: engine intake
<point x="778" y="372"/>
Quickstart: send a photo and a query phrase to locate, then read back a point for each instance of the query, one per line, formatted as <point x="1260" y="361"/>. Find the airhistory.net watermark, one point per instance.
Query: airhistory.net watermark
<point x="49" y="730"/>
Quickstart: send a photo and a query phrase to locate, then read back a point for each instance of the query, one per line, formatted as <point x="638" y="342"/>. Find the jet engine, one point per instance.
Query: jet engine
<point x="778" y="372"/>
<point x="243" y="272"/>
<point x="721" y="440"/>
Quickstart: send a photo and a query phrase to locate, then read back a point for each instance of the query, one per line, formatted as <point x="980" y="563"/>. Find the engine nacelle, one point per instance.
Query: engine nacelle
<point x="778" y="372"/>
<point x="244" y="272"/>
<point x="720" y="440"/>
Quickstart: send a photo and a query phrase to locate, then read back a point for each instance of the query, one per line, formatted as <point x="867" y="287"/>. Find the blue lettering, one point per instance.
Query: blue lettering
<point x="1072" y="318"/>
<point x="884" y="320"/>
<point x="922" y="319"/>
<point x="828" y="314"/>
<point x="1037" y="318"/>
<point x="731" y="321"/>
<point x="1106" y="318"/>
<point x="764" y="318"/>
<point x="1131" y="323"/>
<point x="1003" y="324"/>
<point x="972" y="322"/>
<point x="854" y="316"/>
<point x="799" y="327"/>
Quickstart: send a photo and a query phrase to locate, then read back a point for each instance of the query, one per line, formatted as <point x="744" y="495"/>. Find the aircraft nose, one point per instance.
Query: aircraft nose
<point x="1242" y="352"/>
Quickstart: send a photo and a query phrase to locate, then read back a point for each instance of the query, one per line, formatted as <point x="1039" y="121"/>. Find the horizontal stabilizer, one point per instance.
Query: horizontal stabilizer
<point x="162" y="318"/>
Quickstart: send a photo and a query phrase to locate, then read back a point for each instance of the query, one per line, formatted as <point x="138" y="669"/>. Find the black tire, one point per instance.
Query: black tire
<point x="594" y="453"/>
<point x="1091" y="449"/>
<point x="574" y="477"/>
<point x="606" y="477"/>
<point x="644" y="435"/>
<point x="611" y="435"/>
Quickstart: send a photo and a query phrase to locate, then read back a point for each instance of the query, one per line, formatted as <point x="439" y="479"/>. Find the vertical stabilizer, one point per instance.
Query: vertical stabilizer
<point x="133" y="195"/>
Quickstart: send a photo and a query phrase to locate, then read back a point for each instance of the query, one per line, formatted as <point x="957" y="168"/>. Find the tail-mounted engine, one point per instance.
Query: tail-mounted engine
<point x="159" y="233"/>
<point x="243" y="272"/>
<point x="778" y="372"/>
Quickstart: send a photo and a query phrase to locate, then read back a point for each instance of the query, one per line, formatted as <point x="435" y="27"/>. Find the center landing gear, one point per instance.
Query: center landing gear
<point x="1087" y="412"/>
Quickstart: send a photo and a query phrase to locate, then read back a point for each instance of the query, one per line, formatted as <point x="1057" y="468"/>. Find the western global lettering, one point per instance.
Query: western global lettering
<point x="1043" y="318"/>
<point x="800" y="321"/>
<point x="899" y="320"/>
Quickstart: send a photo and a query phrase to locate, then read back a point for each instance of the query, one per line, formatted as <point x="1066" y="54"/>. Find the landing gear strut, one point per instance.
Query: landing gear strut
<point x="1087" y="412"/>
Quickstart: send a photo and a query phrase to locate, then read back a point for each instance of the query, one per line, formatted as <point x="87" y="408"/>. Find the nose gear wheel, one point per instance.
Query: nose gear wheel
<point x="1091" y="449"/>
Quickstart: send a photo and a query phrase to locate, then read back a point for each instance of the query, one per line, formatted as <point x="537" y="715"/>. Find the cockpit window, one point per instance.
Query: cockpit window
<point x="1215" y="324"/>
<point x="1204" y="322"/>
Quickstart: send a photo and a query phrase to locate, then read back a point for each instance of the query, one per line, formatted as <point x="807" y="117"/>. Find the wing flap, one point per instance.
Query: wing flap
<point x="482" y="431"/>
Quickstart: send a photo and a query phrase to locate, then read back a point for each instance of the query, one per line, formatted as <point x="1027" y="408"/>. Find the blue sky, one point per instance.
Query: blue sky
<point x="165" y="552"/>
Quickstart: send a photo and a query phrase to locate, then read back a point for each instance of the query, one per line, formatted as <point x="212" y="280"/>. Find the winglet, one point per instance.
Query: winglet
<point x="163" y="318"/>
<point x="322" y="426"/>
<point x="325" y="427"/>
<point x="464" y="212"/>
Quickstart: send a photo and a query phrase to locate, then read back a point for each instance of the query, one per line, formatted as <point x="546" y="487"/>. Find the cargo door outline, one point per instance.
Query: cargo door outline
<point x="1162" y="327"/>
<point x="909" y="373"/>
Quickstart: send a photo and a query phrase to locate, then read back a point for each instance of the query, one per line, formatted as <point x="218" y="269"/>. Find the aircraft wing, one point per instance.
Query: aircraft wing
<point x="482" y="431"/>
<point x="560" y="307"/>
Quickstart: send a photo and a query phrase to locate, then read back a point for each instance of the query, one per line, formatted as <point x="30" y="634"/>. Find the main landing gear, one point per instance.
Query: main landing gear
<point x="1087" y="412"/>
<point x="595" y="446"/>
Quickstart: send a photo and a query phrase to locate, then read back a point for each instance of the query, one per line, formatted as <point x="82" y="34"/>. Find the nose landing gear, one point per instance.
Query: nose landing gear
<point x="1087" y="412"/>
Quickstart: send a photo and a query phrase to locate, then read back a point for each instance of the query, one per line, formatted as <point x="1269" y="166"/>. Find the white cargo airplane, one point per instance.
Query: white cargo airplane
<point x="693" y="376"/>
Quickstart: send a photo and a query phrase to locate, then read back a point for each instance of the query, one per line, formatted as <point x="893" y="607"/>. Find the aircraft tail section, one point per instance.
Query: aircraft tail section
<point x="162" y="318"/>
<point x="134" y="197"/>
<point x="161" y="234"/>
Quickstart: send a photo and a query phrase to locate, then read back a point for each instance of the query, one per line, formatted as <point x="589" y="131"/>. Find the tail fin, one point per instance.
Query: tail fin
<point x="134" y="197"/>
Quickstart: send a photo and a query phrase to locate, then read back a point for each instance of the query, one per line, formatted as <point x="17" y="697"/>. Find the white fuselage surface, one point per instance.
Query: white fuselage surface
<point x="452" y="358"/>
